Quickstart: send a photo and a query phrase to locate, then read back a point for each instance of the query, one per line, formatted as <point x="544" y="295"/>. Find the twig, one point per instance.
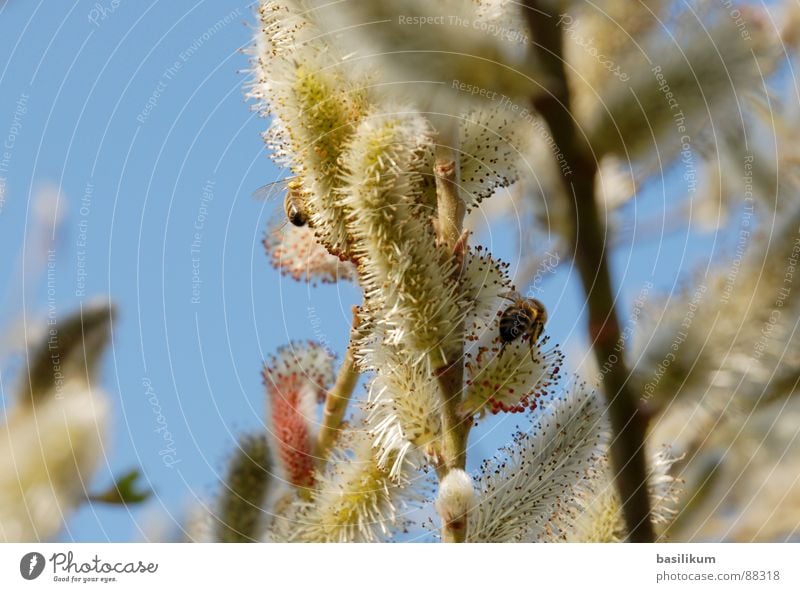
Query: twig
<point x="629" y="425"/>
<point x="337" y="399"/>
<point x="455" y="428"/>
<point x="449" y="205"/>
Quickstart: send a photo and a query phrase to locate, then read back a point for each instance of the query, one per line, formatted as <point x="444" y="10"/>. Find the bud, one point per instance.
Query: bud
<point x="456" y="497"/>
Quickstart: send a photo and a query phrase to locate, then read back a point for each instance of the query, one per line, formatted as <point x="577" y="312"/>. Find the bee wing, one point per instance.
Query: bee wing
<point x="270" y="190"/>
<point x="511" y="295"/>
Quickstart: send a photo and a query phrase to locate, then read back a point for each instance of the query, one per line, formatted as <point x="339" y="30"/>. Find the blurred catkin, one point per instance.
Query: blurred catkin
<point x="240" y="514"/>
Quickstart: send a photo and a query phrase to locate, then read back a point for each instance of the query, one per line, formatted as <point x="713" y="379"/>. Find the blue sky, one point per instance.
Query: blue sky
<point x="146" y="172"/>
<point x="135" y="111"/>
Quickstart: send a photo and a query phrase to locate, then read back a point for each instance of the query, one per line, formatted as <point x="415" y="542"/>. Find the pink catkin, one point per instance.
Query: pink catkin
<point x="295" y="252"/>
<point x="296" y="380"/>
<point x="291" y="432"/>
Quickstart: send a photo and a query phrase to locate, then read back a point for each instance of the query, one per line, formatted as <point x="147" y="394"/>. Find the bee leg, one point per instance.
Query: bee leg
<point x="501" y="352"/>
<point x="532" y="344"/>
<point x="536" y="332"/>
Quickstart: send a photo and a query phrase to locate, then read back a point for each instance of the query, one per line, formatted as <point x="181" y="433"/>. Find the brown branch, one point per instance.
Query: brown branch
<point x="337" y="399"/>
<point x="628" y="423"/>
<point x="455" y="428"/>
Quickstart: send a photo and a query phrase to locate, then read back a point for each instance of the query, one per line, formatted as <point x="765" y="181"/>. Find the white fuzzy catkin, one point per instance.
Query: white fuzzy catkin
<point x="406" y="278"/>
<point x="54" y="435"/>
<point x="542" y="474"/>
<point x="468" y="46"/>
<point x="724" y="345"/>
<point x="298" y="81"/>
<point x="485" y="283"/>
<point x="490" y="149"/>
<point x="404" y="415"/>
<point x="354" y="500"/>
<point x="456" y="496"/>
<point x="508" y="377"/>
<point x="705" y="63"/>
<point x="48" y="454"/>
<point x="499" y="377"/>
<point x="600" y="520"/>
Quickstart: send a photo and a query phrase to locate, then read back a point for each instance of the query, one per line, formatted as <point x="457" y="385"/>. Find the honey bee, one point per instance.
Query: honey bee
<point x="523" y="319"/>
<point x="293" y="201"/>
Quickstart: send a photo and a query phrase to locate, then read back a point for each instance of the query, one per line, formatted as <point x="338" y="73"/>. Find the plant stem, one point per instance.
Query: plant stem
<point x="337" y="399"/>
<point x="455" y="428"/>
<point x="455" y="433"/>
<point x="449" y="205"/>
<point x="629" y="425"/>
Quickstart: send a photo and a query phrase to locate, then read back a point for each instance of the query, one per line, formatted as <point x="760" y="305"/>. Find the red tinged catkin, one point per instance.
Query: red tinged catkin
<point x="296" y="380"/>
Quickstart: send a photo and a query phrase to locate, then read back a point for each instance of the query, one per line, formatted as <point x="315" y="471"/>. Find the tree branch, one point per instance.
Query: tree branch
<point x="455" y="428"/>
<point x="628" y="423"/>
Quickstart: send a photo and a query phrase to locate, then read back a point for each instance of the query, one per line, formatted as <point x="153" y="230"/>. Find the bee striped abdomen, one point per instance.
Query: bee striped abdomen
<point x="515" y="322"/>
<point x="296" y="215"/>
